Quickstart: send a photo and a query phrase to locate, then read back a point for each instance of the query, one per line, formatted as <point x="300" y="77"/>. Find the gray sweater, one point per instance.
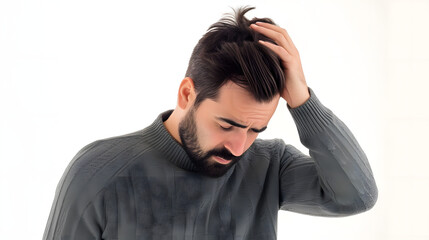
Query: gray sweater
<point x="144" y="186"/>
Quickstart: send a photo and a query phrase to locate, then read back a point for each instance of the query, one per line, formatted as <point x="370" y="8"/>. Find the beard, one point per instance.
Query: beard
<point x="200" y="158"/>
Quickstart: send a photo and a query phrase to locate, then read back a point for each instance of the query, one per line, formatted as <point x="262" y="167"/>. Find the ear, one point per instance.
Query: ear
<point x="186" y="96"/>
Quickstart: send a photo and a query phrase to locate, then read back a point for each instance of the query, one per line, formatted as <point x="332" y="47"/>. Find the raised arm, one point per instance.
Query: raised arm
<point x="336" y="178"/>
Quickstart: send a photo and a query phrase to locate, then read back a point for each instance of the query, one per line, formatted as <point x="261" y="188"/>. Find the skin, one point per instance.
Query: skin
<point x="296" y="91"/>
<point x="236" y="104"/>
<point x="206" y="132"/>
<point x="217" y="133"/>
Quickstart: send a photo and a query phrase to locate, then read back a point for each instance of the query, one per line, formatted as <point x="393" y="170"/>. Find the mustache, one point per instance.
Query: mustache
<point x="223" y="153"/>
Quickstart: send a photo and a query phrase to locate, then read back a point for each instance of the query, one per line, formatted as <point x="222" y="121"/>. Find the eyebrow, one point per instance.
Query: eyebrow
<point x="240" y="125"/>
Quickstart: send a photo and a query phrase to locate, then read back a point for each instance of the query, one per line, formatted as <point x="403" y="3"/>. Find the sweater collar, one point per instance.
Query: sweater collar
<point x="161" y="140"/>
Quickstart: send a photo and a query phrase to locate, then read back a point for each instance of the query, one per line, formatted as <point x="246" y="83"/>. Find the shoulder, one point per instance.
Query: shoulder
<point x="99" y="154"/>
<point x="96" y="165"/>
<point x="86" y="176"/>
<point x="266" y="157"/>
<point x="274" y="150"/>
<point x="266" y="150"/>
<point x="272" y="147"/>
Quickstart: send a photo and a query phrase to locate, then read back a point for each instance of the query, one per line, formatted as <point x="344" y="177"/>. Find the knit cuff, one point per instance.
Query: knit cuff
<point x="311" y="117"/>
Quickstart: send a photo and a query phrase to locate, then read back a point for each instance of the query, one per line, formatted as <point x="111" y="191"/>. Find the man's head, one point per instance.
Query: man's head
<point x="230" y="92"/>
<point x="230" y="51"/>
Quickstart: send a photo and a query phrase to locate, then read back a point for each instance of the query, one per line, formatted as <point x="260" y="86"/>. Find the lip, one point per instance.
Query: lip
<point x="221" y="160"/>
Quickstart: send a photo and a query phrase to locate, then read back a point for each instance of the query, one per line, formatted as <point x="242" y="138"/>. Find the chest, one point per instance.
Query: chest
<point x="179" y="205"/>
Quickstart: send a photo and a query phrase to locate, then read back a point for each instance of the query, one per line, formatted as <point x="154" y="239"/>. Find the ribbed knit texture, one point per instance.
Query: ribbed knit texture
<point x="144" y="186"/>
<point x="158" y="136"/>
<point x="311" y="117"/>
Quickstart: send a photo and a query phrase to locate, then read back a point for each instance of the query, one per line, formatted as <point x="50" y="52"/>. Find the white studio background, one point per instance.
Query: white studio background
<point x="72" y="72"/>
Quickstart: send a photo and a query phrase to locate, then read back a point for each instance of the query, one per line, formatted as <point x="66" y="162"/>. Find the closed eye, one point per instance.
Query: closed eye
<point x="229" y="121"/>
<point x="226" y="129"/>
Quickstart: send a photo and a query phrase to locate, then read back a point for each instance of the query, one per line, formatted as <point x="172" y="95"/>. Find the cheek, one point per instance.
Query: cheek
<point x="209" y="137"/>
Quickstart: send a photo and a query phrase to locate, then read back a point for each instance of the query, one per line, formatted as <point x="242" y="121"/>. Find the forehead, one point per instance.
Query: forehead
<point x="238" y="104"/>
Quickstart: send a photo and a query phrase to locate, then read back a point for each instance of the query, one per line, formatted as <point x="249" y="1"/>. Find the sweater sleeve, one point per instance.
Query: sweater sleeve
<point x="336" y="179"/>
<point x="77" y="210"/>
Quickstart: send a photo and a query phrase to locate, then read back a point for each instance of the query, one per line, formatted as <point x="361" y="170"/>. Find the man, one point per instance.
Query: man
<point x="198" y="172"/>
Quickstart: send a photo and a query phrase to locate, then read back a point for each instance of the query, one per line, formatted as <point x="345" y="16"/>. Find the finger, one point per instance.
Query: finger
<point x="277" y="37"/>
<point x="280" y="51"/>
<point x="277" y="29"/>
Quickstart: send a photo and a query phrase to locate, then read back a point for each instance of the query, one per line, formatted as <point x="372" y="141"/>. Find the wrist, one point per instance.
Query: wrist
<point x="297" y="98"/>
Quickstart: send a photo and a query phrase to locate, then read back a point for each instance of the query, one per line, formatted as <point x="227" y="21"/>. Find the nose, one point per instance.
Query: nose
<point x="236" y="143"/>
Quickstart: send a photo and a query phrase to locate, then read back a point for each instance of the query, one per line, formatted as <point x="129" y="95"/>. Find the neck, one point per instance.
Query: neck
<point x="172" y="125"/>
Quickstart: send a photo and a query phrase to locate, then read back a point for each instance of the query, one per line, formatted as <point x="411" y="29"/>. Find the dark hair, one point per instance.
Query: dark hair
<point x="230" y="51"/>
